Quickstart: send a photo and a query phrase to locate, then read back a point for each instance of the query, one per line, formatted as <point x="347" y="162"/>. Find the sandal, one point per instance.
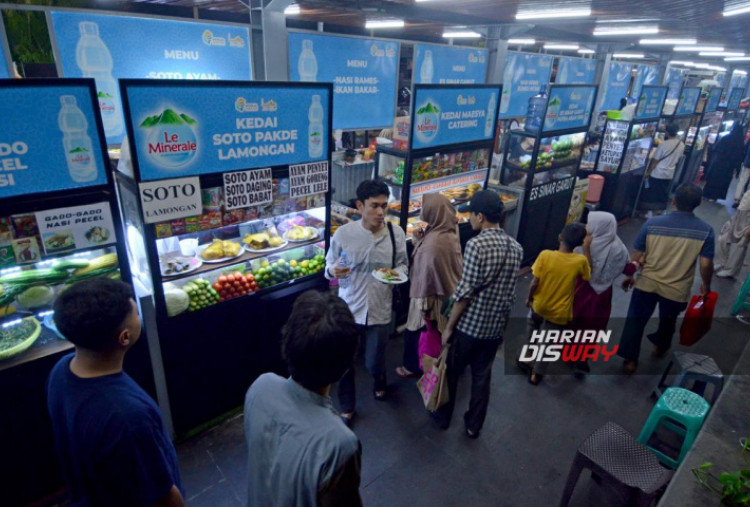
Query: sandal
<point x="534" y="378"/>
<point x="404" y="373"/>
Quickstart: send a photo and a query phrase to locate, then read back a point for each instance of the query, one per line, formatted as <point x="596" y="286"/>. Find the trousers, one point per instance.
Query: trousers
<point x="642" y="306"/>
<point x="375" y="339"/>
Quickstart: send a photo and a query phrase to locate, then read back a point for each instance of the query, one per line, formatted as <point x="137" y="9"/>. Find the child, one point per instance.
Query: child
<point x="552" y="289"/>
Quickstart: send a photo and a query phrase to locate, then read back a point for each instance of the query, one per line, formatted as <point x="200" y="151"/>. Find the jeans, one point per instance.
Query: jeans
<point x="479" y="354"/>
<point x="375" y="338"/>
<point x="642" y="305"/>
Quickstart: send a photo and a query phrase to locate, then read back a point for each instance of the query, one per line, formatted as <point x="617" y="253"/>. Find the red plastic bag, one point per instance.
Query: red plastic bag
<point x="430" y="342"/>
<point x="698" y="317"/>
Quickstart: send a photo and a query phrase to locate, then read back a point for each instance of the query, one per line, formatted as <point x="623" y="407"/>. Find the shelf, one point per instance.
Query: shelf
<point x="47" y="344"/>
<point x="49" y="258"/>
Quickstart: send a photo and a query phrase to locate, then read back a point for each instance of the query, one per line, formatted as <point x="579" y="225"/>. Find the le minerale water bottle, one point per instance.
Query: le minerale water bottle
<point x="307" y="65"/>
<point x="315" y="129"/>
<point x="77" y="144"/>
<point x="344" y="263"/>
<point x="427" y="70"/>
<point x="490" y="120"/>
<point x="534" y="115"/>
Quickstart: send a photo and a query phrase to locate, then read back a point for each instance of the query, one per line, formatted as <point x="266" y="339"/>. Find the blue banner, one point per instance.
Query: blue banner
<point x="48" y="139"/>
<point x="109" y="48"/>
<point x="455" y="115"/>
<point x="735" y="97"/>
<point x="3" y="63"/>
<point x="688" y="101"/>
<point x="569" y="107"/>
<point x="616" y="87"/>
<point x="364" y="73"/>
<point x="673" y="78"/>
<point x="650" y="102"/>
<point x="644" y="75"/>
<point x="524" y="76"/>
<point x="435" y="64"/>
<point x="187" y="130"/>
<point x="714" y="96"/>
<point x="572" y="70"/>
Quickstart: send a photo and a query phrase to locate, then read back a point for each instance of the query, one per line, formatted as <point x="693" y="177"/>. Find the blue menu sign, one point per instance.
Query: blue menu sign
<point x="714" y="96"/>
<point x="364" y="73"/>
<point x="453" y="115"/>
<point x="673" y="78"/>
<point x="572" y="70"/>
<point x="49" y="139"/>
<point x="109" y="48"/>
<point x="449" y="65"/>
<point x="524" y="76"/>
<point x="735" y="97"/>
<point x="650" y="102"/>
<point x="644" y="75"/>
<point x="688" y="101"/>
<point x="569" y="107"/>
<point x="616" y="87"/>
<point x="198" y="128"/>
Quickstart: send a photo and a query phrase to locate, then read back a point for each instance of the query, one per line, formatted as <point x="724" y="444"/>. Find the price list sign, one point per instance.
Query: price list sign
<point x="308" y="179"/>
<point x="613" y="145"/>
<point x="243" y="189"/>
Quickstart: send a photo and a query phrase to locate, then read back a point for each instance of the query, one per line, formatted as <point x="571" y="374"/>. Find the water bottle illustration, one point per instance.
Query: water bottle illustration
<point x="507" y="84"/>
<point x="427" y="70"/>
<point x="563" y="79"/>
<point x="79" y="149"/>
<point x="95" y="60"/>
<point x="344" y="263"/>
<point x="489" y="122"/>
<point x="315" y="129"/>
<point x="307" y="65"/>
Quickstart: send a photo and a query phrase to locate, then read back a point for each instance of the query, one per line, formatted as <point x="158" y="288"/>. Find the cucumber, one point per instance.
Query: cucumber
<point x="70" y="264"/>
<point x="91" y="274"/>
<point x="34" y="276"/>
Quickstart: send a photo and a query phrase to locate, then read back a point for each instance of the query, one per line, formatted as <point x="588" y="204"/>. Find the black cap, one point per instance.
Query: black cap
<point x="486" y="202"/>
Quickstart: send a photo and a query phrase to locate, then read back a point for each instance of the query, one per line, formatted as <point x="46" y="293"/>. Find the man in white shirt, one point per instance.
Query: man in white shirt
<point x="369" y="244"/>
<point x="655" y="193"/>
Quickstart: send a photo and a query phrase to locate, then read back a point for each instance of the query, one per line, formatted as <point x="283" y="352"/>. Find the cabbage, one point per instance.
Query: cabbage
<point x="177" y="301"/>
<point x="37" y="296"/>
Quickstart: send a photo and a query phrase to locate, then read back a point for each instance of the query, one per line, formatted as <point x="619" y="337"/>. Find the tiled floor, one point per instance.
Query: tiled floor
<point x="527" y="444"/>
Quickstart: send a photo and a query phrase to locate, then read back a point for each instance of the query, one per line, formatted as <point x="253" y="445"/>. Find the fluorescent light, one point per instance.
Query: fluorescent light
<point x="737" y="59"/>
<point x="604" y="31"/>
<point x="701" y="66"/>
<point x="630" y="20"/>
<point x="695" y="49"/>
<point x="585" y="51"/>
<point x="720" y="53"/>
<point x="554" y="13"/>
<point x="628" y="55"/>
<point x="740" y="72"/>
<point x="680" y="62"/>
<point x="675" y="42"/>
<point x="717" y="67"/>
<point x="554" y="45"/>
<point x="737" y="9"/>
<point x="292" y="10"/>
<point x="461" y="34"/>
<point x="384" y="23"/>
<point x="521" y="42"/>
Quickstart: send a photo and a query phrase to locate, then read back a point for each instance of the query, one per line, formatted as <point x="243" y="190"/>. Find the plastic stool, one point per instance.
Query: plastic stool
<point x="676" y="405"/>
<point x="619" y="460"/>
<point x="701" y="370"/>
<point x="741" y="303"/>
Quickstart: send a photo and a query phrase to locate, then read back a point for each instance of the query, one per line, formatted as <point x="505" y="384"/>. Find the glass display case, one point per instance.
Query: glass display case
<point x="556" y="159"/>
<point x="639" y="147"/>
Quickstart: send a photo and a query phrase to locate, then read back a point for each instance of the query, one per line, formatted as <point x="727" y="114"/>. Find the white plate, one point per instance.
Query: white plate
<point x="199" y="251"/>
<point x="270" y="249"/>
<point x="194" y="264"/>
<point x="314" y="236"/>
<point x="380" y="277"/>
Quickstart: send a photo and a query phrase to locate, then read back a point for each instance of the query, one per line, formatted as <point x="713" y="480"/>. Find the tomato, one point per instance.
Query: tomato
<point x="217" y="286"/>
<point x="249" y="277"/>
<point x="230" y="278"/>
<point x="243" y="292"/>
<point x="221" y="300"/>
<point x="222" y="279"/>
<point x="237" y="275"/>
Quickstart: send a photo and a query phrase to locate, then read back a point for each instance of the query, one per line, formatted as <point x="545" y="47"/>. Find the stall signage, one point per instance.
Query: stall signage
<point x="616" y="87"/>
<point x="569" y="107"/>
<point x="3" y="61"/>
<point x="673" y="78"/>
<point x="525" y="75"/>
<point x="308" y="179"/>
<point x="572" y="70"/>
<point x="551" y="188"/>
<point x="650" y="102"/>
<point x="243" y="189"/>
<point x="48" y="139"/>
<point x="449" y="65"/>
<point x="364" y="73"/>
<point x="170" y="199"/>
<point x="190" y="129"/>
<point x="738" y="81"/>
<point x="76" y="227"/>
<point x="688" y="101"/>
<point x="644" y="75"/>
<point x="453" y="115"/>
<point x="714" y="96"/>
<point x="439" y="184"/>
<point x="735" y="97"/>
<point x="109" y="48"/>
<point x="613" y="145"/>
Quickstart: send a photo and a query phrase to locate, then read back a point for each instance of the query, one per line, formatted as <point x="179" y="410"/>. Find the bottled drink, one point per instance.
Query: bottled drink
<point x="344" y="263"/>
<point x="427" y="70"/>
<point x="489" y="122"/>
<point x="79" y="149"/>
<point x="315" y="129"/>
<point x="94" y="60"/>
<point x="507" y="83"/>
<point x="535" y="114"/>
<point x="307" y="65"/>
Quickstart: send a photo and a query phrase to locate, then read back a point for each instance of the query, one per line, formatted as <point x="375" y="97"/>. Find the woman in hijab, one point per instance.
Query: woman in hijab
<point x="736" y="231"/>
<point x="726" y="159"/>
<point x="436" y="266"/>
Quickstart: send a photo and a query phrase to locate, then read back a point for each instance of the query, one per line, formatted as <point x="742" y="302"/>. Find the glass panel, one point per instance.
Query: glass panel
<point x="520" y="150"/>
<point x="641" y="139"/>
<point x="558" y="151"/>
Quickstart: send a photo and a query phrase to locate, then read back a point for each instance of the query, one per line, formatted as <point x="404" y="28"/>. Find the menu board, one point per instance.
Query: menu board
<point x="184" y="129"/>
<point x="525" y="75"/>
<point x="613" y="145"/>
<point x="108" y="48"/>
<point x="435" y="64"/>
<point x="569" y="107"/>
<point x="735" y="97"/>
<point x="644" y="75"/>
<point x="364" y="73"/>
<point x="688" y="101"/>
<point x="571" y="70"/>
<point x="650" y="102"/>
<point x="714" y="96"/>
<point x="616" y="86"/>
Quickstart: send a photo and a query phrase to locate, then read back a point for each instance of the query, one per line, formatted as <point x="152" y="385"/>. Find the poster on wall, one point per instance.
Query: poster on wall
<point x="650" y="102"/>
<point x="673" y="79"/>
<point x="435" y="64"/>
<point x="453" y="115"/>
<point x="524" y="76"/>
<point x="364" y="73"/>
<point x="688" y="101"/>
<point x="613" y="146"/>
<point x="57" y="150"/>
<point x="185" y="129"/>
<point x="571" y="70"/>
<point x="569" y="107"/>
<point x="616" y="87"/>
<point x="644" y="75"/>
<point x="109" y="48"/>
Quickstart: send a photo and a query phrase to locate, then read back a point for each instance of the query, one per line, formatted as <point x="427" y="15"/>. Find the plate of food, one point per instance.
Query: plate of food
<point x="97" y="235"/>
<point x="390" y="276"/>
<point x="61" y="240"/>
<point x="263" y="242"/>
<point x="219" y="251"/>
<point x="301" y="233"/>
<point x="178" y="265"/>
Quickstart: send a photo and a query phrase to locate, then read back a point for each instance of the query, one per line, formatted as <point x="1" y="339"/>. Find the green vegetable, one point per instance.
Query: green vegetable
<point x="106" y="271"/>
<point x="34" y="277"/>
<point x="70" y="264"/>
<point x="177" y="301"/>
<point x="201" y="294"/>
<point x="17" y="338"/>
<point x="36" y="296"/>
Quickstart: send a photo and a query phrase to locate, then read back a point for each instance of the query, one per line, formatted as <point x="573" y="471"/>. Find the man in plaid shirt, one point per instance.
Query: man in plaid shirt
<point x="484" y="298"/>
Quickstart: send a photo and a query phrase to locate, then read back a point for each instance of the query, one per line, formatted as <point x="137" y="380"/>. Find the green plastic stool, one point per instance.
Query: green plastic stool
<point x="676" y="405"/>
<point x="741" y="303"/>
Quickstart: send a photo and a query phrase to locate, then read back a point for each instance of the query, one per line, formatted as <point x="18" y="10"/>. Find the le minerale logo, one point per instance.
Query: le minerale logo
<point x="171" y="139"/>
<point x="427" y="121"/>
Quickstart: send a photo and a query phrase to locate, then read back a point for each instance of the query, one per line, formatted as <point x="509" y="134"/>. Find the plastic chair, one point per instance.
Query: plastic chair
<point x="742" y="303"/>
<point x="676" y="405"/>
<point x="695" y="368"/>
<point x="613" y="455"/>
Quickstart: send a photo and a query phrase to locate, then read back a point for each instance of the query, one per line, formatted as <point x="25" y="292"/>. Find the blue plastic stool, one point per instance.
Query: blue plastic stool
<point x="741" y="303"/>
<point x="694" y="369"/>
<point x="685" y="408"/>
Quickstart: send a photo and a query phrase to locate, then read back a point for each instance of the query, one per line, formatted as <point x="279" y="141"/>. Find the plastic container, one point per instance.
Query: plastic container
<point x="344" y="263"/>
<point x="596" y="185"/>
<point x="535" y="113"/>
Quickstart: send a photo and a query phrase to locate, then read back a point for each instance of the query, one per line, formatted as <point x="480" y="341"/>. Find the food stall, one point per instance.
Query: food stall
<point x="226" y="207"/>
<point x="59" y="225"/>
<point x="543" y="165"/>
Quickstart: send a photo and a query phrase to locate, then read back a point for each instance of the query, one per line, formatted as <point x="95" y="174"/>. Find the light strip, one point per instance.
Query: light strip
<point x="695" y="49"/>
<point x="737" y="59"/>
<point x="740" y="9"/>
<point x="384" y="23"/>
<point x="547" y="14"/>
<point x="720" y="53"/>
<point x="675" y="42"/>
<point x="521" y="42"/>
<point x="740" y="72"/>
<point x="553" y="45"/>
<point x="585" y="51"/>
<point x="628" y="55"/>
<point x="461" y="34"/>
<point x="291" y="10"/>
<point x="681" y="62"/>
<point x="631" y="20"/>
<point x="625" y="30"/>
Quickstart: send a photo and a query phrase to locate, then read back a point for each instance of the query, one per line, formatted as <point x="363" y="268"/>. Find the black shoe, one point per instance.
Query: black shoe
<point x="472" y="434"/>
<point x="441" y="422"/>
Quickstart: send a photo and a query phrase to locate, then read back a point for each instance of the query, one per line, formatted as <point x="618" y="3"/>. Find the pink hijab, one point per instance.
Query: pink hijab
<point x="436" y="260"/>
